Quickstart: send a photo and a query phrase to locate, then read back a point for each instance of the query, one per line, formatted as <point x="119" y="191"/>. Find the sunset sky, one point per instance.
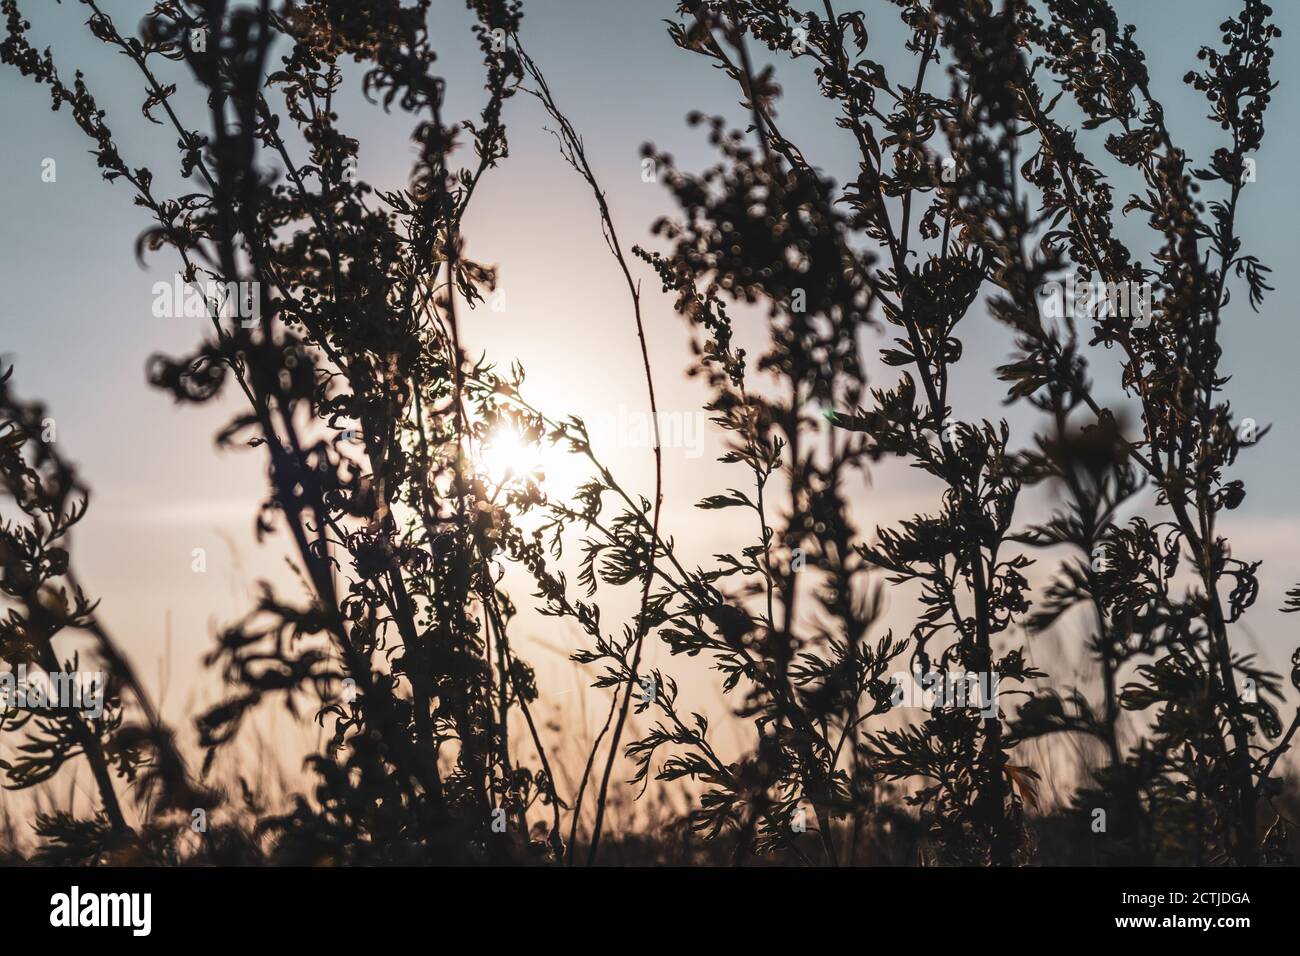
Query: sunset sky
<point x="76" y="316"/>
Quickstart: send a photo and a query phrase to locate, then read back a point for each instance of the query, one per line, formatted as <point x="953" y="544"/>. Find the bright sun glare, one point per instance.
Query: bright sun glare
<point x="506" y="454"/>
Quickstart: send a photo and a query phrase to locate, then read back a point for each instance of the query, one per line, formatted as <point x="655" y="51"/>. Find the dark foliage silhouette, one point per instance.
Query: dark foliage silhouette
<point x="975" y="197"/>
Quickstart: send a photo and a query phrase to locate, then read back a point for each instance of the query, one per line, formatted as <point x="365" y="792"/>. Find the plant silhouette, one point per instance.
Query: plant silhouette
<point x="339" y="329"/>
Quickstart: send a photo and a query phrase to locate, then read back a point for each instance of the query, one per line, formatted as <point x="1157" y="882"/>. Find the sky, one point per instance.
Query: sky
<point x="76" y="315"/>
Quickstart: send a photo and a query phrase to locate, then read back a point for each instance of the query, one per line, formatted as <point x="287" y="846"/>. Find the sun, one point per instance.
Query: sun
<point x="506" y="454"/>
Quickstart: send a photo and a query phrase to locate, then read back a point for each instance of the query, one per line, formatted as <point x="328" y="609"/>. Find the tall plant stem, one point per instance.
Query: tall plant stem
<point x="572" y="149"/>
